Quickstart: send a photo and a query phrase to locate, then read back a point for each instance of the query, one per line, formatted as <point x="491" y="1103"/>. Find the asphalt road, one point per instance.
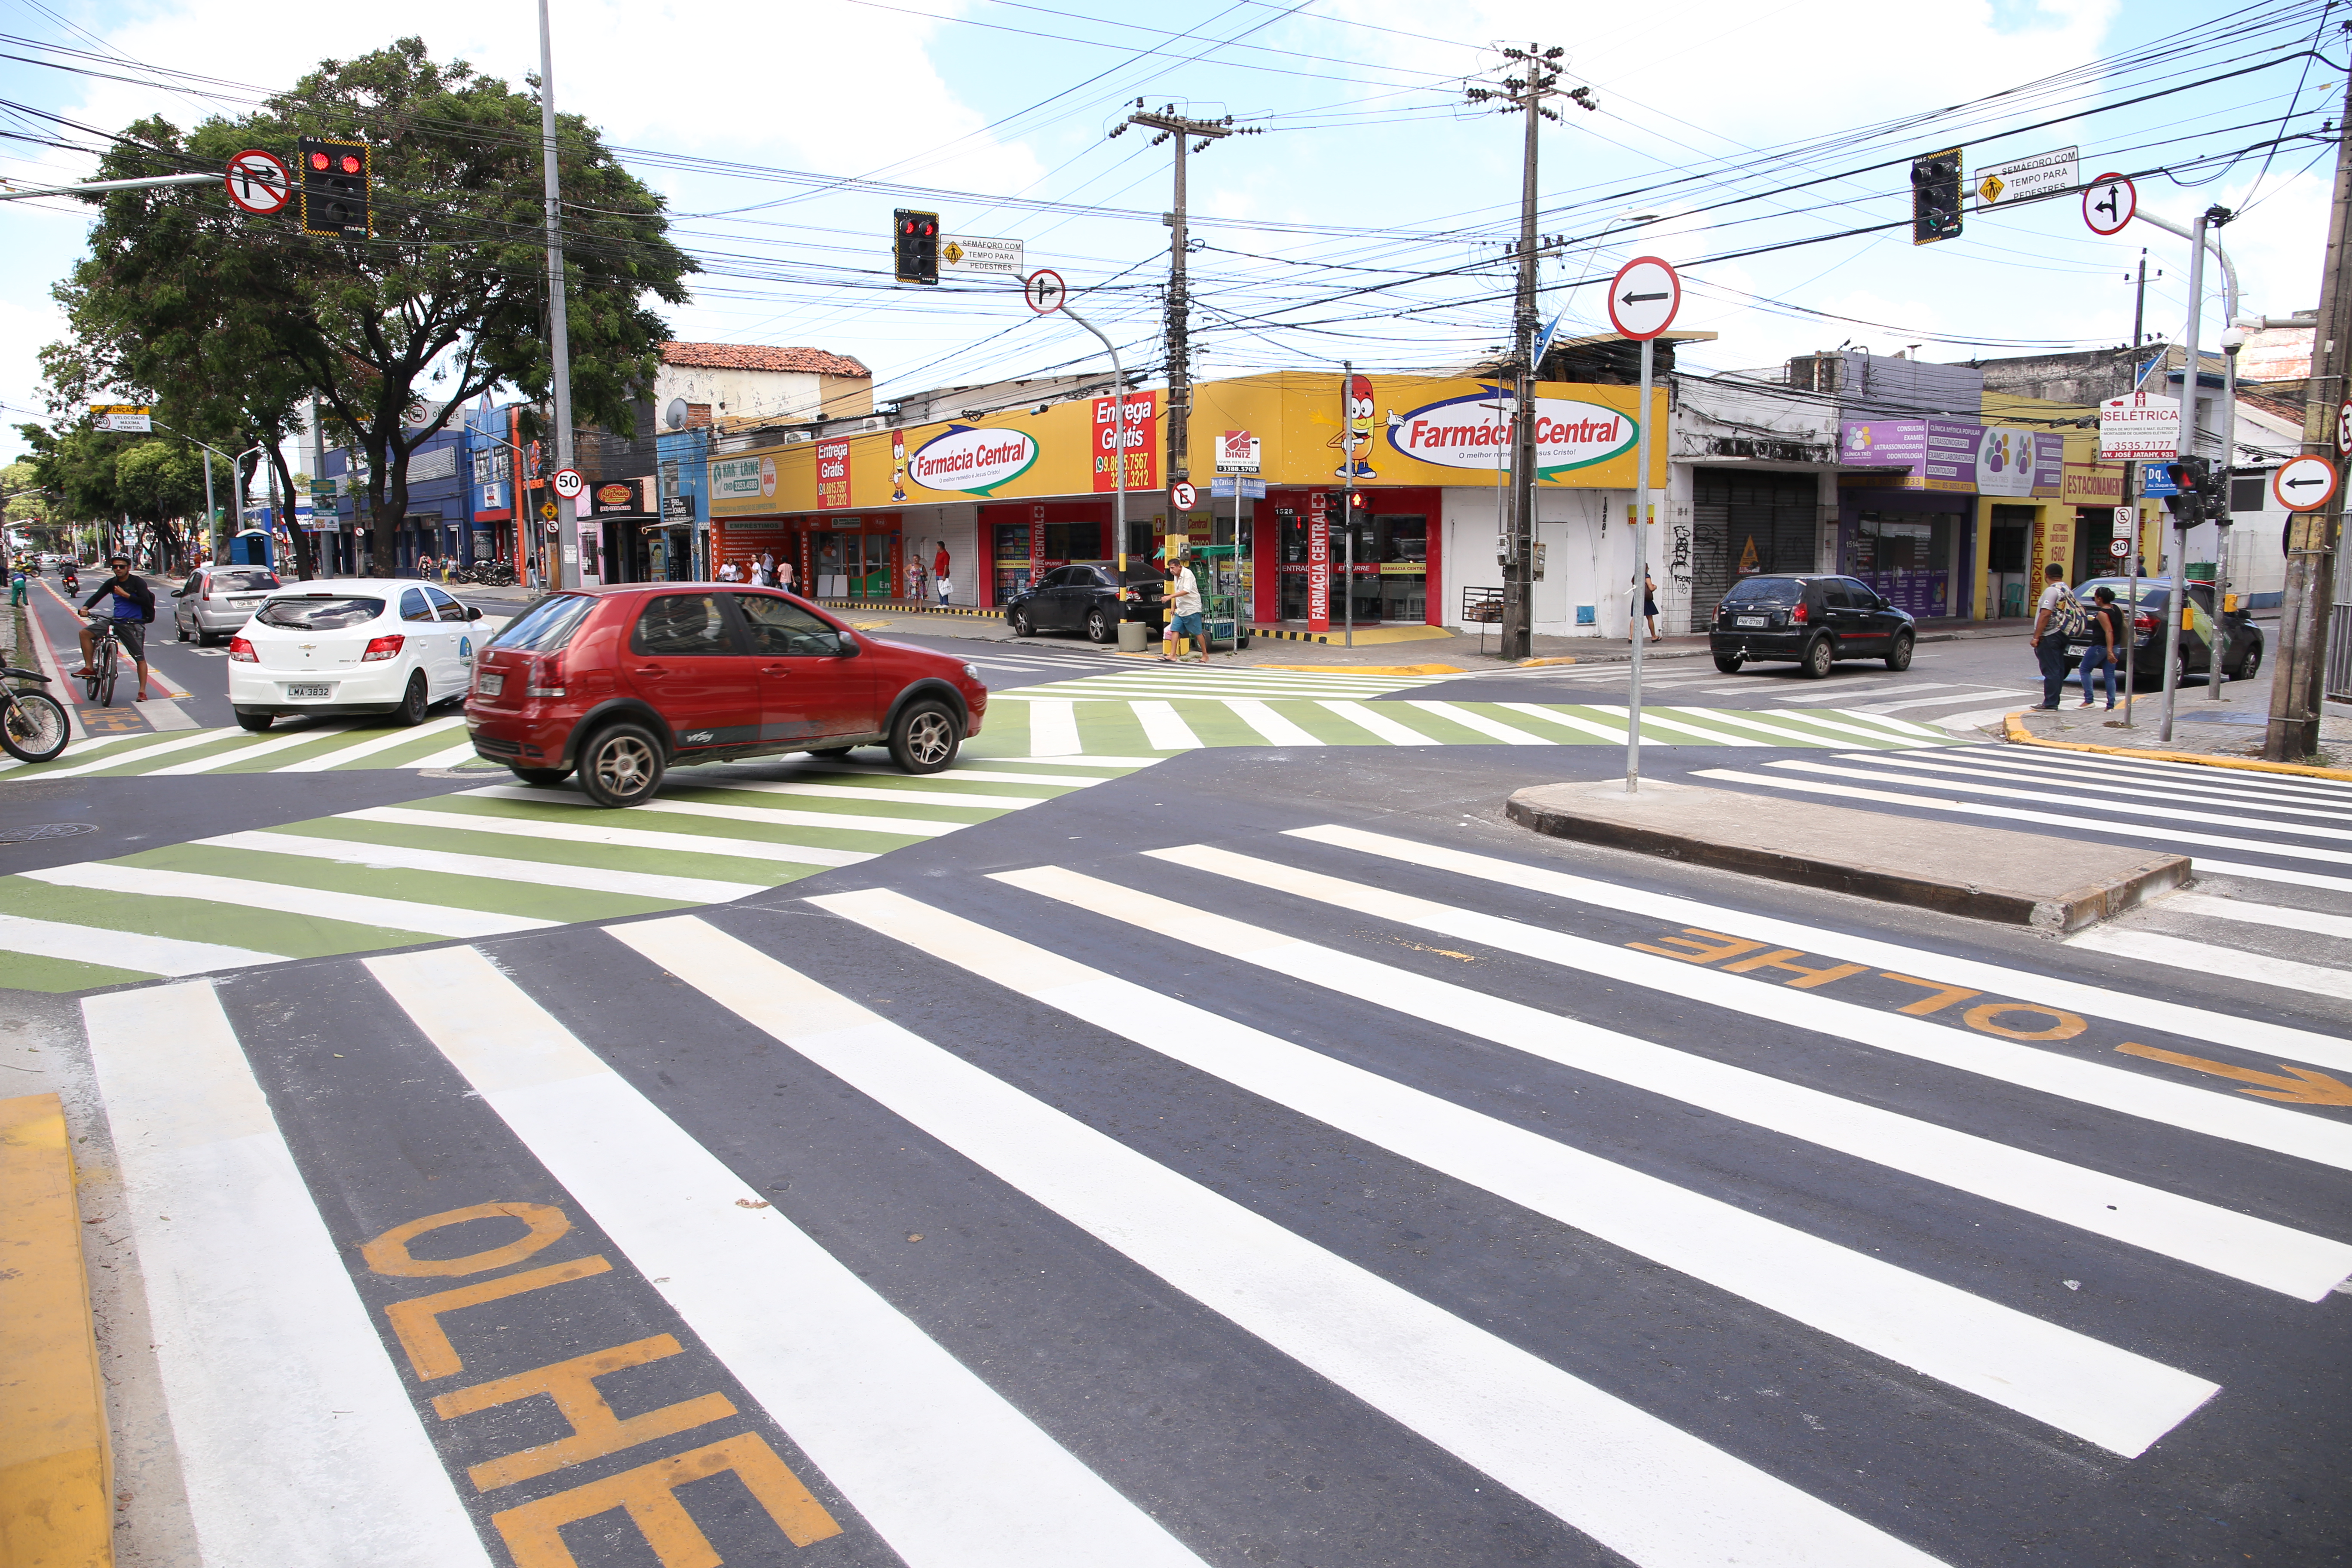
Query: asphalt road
<point x="1230" y="1153"/>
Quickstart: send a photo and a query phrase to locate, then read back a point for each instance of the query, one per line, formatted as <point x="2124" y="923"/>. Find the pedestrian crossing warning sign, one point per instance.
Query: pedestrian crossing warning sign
<point x="1747" y="561"/>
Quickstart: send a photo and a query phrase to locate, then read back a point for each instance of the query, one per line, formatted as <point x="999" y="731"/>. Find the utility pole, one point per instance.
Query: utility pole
<point x="2140" y="306"/>
<point x="1179" y="129"/>
<point x="2300" y="685"/>
<point x="1525" y="94"/>
<point x="568" y="569"/>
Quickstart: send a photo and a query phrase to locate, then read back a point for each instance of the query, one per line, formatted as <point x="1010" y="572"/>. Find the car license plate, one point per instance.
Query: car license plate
<point x="491" y="685"/>
<point x="242" y="599"/>
<point x="1747" y="620"/>
<point x="309" y="692"/>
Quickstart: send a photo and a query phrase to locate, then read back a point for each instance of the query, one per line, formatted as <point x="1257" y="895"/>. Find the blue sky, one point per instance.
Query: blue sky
<point x="1361" y="224"/>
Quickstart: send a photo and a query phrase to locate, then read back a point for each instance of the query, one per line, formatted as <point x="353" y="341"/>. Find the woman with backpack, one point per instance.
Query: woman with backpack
<point x="2058" y="619"/>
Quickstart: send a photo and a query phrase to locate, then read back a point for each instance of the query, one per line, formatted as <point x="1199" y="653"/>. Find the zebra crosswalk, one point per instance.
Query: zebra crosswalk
<point x="1325" y="1194"/>
<point x="494" y="859"/>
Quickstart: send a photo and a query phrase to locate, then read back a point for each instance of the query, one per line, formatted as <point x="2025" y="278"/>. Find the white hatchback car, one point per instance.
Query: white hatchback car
<point x="349" y="645"/>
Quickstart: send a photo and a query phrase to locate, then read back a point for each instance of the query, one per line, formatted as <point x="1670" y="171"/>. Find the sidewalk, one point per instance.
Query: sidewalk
<point x="2231" y="728"/>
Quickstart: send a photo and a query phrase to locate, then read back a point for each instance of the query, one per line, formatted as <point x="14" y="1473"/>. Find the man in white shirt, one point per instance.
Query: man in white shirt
<point x="2049" y="639"/>
<point x="1183" y="612"/>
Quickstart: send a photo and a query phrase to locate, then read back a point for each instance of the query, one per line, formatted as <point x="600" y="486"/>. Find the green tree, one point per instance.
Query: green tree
<point x="155" y="483"/>
<point x="236" y="318"/>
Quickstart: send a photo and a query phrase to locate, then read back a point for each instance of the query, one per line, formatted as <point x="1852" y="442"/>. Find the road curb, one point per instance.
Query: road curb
<point x="2019" y="735"/>
<point x="56" y="1464"/>
<point x="887" y="608"/>
<point x="1983" y="873"/>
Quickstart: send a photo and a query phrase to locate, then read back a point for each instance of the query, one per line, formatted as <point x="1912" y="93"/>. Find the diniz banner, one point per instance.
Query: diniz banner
<point x="1473" y="431"/>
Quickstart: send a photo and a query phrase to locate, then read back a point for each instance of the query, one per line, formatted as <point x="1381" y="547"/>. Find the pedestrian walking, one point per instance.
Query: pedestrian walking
<point x="1184" y="613"/>
<point x="785" y="576"/>
<point x="2106" y="635"/>
<point x="424" y="567"/>
<point x="730" y="573"/>
<point x="1649" y="603"/>
<point x="915" y="581"/>
<point x="2057" y="619"/>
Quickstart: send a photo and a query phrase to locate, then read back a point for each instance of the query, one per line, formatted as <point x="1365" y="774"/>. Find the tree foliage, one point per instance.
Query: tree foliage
<point x="234" y="320"/>
<point x="157" y="482"/>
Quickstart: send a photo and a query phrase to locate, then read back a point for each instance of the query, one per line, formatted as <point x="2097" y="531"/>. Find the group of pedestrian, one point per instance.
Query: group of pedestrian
<point x="2061" y="619"/>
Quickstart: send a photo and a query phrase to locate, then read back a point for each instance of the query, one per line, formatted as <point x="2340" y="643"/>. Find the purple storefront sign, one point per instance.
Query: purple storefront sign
<point x="1948" y="456"/>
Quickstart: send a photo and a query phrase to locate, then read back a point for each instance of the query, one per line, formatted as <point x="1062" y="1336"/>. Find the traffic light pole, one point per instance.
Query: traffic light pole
<point x="2299" y="687"/>
<point x="2190" y="374"/>
<point x="569" y="566"/>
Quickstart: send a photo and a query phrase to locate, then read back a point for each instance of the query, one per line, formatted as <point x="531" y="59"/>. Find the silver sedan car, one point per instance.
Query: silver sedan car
<point x="217" y="600"/>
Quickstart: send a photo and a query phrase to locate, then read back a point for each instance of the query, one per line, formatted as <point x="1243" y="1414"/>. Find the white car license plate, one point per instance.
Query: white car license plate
<point x="491" y="685"/>
<point x="1747" y="620"/>
<point x="311" y="690"/>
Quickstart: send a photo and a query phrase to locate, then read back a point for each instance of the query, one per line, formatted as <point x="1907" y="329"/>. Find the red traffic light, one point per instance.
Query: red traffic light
<point x="318" y="160"/>
<point x="350" y="164"/>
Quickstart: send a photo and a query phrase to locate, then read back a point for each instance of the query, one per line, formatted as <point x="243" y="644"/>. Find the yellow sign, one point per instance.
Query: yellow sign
<point x="951" y="253"/>
<point x="1991" y="188"/>
<point x="547" y="511"/>
<point x="1386" y="431"/>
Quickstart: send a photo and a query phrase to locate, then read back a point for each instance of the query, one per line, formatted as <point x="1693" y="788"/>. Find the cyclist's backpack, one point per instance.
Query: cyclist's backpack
<point x="2068" y="620"/>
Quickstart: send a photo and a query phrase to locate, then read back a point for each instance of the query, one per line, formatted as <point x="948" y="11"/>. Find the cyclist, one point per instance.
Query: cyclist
<point x="130" y="606"/>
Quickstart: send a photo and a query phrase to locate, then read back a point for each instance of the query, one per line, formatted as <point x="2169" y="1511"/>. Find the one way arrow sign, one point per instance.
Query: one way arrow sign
<point x="1643" y="298"/>
<point x="2307" y="484"/>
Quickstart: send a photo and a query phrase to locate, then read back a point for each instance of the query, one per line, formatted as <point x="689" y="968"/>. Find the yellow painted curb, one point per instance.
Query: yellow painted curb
<point x="57" y="1465"/>
<point x="2019" y="735"/>
<point x="1366" y="669"/>
<point x="1539" y="663"/>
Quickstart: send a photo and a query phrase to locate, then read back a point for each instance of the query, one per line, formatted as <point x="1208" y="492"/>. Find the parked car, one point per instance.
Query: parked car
<point x="622" y="683"/>
<point x="345" y="646"/>
<point x="1089" y="599"/>
<point x="2243" y="658"/>
<point x="218" y="600"/>
<point x="1814" y="620"/>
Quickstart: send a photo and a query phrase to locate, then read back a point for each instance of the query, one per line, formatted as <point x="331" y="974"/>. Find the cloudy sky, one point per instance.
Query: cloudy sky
<point x="1362" y="222"/>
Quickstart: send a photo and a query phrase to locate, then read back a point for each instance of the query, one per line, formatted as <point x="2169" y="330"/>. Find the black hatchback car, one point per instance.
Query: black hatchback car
<point x="2241" y="658"/>
<point x="1811" y="620"/>
<point x="1087" y="599"/>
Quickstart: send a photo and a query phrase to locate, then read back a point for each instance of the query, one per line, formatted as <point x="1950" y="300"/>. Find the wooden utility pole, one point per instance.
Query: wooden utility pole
<point x="1179" y="129"/>
<point x="2298" y="688"/>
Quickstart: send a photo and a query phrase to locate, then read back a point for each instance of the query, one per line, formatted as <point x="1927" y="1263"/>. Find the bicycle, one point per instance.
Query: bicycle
<point x="100" y="682"/>
<point x="32" y="726"/>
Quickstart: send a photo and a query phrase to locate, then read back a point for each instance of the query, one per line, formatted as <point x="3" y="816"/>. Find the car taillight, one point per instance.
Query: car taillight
<point x="1797" y="616"/>
<point x="383" y="647"/>
<point x="2144" y="622"/>
<point x="242" y="651"/>
<point x="208" y="589"/>
<point x="546" y="678"/>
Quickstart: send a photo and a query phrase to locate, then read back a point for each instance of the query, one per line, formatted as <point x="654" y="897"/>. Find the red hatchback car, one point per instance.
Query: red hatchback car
<point x="622" y="682"/>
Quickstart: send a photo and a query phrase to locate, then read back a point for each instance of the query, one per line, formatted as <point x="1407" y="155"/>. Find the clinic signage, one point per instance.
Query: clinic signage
<point x="1948" y="456"/>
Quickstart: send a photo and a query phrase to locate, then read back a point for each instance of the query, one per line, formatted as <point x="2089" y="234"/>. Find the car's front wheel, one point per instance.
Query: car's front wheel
<point x="180" y="624"/>
<point x="622" y="765"/>
<point x="540" y="776"/>
<point x="1815" y="662"/>
<point x="1019" y="621"/>
<point x="924" y="736"/>
<point x="1898" y="658"/>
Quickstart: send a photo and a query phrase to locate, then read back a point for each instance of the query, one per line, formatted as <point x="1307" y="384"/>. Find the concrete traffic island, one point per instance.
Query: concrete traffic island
<point x="1985" y="873"/>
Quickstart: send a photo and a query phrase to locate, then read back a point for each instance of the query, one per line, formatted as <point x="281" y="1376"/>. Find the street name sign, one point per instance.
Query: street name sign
<point x="2305" y="484"/>
<point x="2139" y="425"/>
<point x="2108" y="204"/>
<point x="1223" y="485"/>
<point x="1643" y="298"/>
<point x="258" y="183"/>
<point x="2156" y="481"/>
<point x="963" y="253"/>
<point x="1045" y="292"/>
<point x="568" y="483"/>
<point x="2008" y="184"/>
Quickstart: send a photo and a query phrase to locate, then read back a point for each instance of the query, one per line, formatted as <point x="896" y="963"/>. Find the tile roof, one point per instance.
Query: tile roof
<point x="758" y="356"/>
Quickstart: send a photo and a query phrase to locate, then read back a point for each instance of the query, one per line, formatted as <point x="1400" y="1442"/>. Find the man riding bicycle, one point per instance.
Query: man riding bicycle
<point x="131" y="607"/>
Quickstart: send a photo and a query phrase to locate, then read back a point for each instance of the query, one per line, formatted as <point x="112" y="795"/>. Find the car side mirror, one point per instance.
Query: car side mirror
<point x="844" y="644"/>
<point x="472" y="614"/>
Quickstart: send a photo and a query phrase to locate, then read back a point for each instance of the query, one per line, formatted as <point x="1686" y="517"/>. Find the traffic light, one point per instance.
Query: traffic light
<point x="2192" y="483"/>
<point x="915" y="246"/>
<point x="2213" y="488"/>
<point x="1936" y="197"/>
<point x="334" y="176"/>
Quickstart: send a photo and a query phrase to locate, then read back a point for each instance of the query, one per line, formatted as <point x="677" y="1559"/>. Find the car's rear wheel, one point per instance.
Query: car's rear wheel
<point x="1019" y="621"/>
<point x="621" y="765"/>
<point x="1097" y="626"/>
<point x="924" y="736"/>
<point x="1729" y="663"/>
<point x="257" y="722"/>
<point x="1898" y="658"/>
<point x="1815" y="662"/>
<point x="540" y="776"/>
<point x="2249" y="664"/>
<point x="413" y="703"/>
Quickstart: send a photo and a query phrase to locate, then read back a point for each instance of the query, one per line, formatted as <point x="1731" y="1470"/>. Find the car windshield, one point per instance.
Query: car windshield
<point x="322" y="613"/>
<point x="244" y="582"/>
<point x="1765" y="591"/>
<point x="547" y="626"/>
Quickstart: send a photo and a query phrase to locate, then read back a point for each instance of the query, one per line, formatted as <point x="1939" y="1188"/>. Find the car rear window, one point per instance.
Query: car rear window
<point x="325" y="613"/>
<point x="547" y="626"/>
<point x="1765" y="591"/>
<point x="243" y="582"/>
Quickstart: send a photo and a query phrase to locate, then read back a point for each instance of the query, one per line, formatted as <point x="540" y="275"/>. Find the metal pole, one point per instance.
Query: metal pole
<point x="2131" y="609"/>
<point x="1347" y="495"/>
<point x="113" y="185"/>
<point x="1640" y="574"/>
<point x="1518" y="611"/>
<point x="2188" y="378"/>
<point x="568" y="568"/>
<point x="2213" y="676"/>
<point x="212" y="514"/>
<point x="1118" y="399"/>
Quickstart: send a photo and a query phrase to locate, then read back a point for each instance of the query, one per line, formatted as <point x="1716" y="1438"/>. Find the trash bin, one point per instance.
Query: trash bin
<point x="1133" y="636"/>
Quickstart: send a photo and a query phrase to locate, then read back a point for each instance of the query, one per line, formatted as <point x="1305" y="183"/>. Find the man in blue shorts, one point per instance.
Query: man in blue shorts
<point x="130" y="605"/>
<point x="1183" y="612"/>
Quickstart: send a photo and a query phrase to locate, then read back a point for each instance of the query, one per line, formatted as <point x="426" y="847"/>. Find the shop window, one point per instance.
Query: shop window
<point x="2250" y="492"/>
<point x="1074" y="542"/>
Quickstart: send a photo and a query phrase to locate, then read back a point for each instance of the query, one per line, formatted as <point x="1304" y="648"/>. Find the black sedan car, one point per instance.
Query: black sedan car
<point x="1088" y="599"/>
<point x="2241" y="658"/>
<point x="1814" y="621"/>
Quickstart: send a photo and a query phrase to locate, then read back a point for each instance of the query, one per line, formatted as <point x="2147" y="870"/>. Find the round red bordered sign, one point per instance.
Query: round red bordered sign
<point x="2108" y="204"/>
<point x="568" y="483"/>
<point x="2304" y="484"/>
<point x="1643" y="298"/>
<point x="258" y="183"/>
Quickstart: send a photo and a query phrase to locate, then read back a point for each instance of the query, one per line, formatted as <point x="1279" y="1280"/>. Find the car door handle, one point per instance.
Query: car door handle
<point x="775" y="669"/>
<point x="649" y="669"/>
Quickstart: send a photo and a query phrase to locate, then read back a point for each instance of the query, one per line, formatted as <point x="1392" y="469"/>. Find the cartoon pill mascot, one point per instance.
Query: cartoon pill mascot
<point x="1354" y="439"/>
<point x="897" y="465"/>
